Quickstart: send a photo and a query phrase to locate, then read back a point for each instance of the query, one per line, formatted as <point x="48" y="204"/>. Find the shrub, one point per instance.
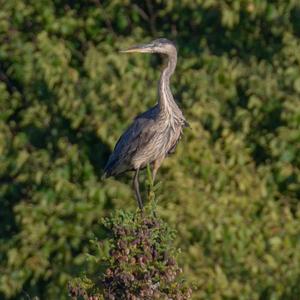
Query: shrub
<point x="140" y="262"/>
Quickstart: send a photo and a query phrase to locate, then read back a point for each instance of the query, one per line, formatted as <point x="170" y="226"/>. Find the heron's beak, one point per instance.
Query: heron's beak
<point x="148" y="48"/>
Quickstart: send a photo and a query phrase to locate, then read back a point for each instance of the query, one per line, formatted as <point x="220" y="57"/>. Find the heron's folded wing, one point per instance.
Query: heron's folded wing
<point x="134" y="138"/>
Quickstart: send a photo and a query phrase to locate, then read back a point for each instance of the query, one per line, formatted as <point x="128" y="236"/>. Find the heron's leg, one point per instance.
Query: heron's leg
<point x="136" y="187"/>
<point x="155" y="167"/>
<point x="154" y="171"/>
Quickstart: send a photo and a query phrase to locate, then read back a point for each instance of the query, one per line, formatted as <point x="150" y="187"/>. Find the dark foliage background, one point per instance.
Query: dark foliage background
<point x="232" y="188"/>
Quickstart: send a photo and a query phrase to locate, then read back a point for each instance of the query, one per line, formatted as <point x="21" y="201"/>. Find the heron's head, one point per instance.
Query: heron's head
<point x="162" y="46"/>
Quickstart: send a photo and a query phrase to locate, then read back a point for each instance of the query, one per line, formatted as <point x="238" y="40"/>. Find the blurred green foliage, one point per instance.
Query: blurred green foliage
<point x="232" y="189"/>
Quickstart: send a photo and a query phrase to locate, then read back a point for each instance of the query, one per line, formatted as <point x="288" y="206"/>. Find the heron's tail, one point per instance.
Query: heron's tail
<point x="111" y="168"/>
<point x="107" y="171"/>
<point x="104" y="176"/>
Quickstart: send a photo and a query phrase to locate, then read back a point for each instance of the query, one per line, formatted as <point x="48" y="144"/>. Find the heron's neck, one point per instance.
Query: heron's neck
<point x="166" y="101"/>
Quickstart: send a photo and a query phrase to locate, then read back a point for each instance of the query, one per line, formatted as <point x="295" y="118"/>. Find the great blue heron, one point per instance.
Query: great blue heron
<point x="154" y="133"/>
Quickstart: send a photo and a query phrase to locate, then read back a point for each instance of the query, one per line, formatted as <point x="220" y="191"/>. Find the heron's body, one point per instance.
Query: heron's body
<point x="153" y="134"/>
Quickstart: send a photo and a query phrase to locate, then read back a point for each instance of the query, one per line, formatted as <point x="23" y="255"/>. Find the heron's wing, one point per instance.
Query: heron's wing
<point x="138" y="134"/>
<point x="142" y="125"/>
